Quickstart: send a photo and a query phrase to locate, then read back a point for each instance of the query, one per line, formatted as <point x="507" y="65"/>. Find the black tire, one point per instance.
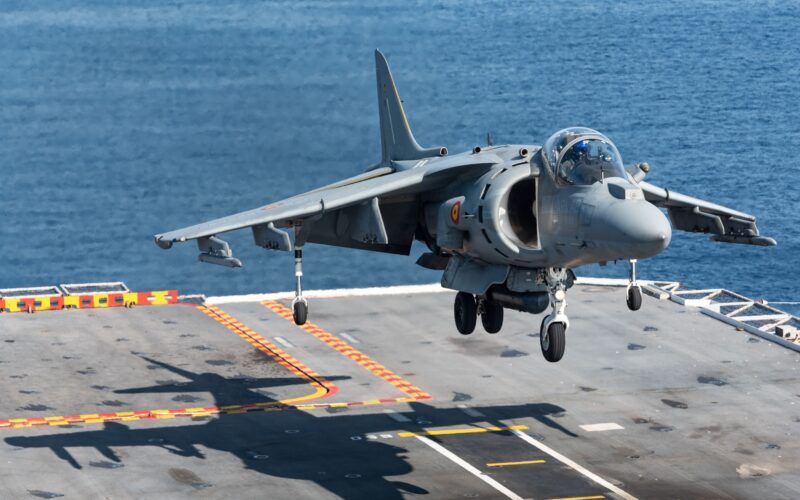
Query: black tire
<point x="553" y="341"/>
<point x="634" y="298"/>
<point x="492" y="317"/>
<point x="466" y="313"/>
<point x="300" y="313"/>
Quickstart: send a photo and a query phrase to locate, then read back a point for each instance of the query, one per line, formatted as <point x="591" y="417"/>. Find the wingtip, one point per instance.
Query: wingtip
<point x="162" y="243"/>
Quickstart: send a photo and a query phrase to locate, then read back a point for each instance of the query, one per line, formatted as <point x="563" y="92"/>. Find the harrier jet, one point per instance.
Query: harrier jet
<point x="506" y="224"/>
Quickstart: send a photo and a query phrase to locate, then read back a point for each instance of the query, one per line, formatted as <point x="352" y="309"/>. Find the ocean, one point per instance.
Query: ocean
<point x="122" y="119"/>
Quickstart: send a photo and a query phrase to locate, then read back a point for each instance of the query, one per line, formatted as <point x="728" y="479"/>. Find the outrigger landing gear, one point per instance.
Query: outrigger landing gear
<point x="299" y="304"/>
<point x="634" y="291"/>
<point x="552" y="333"/>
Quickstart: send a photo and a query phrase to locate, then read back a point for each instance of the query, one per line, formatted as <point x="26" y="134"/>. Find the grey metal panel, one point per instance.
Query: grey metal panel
<point x="318" y="202"/>
<point x="699" y="216"/>
<point x="666" y="198"/>
<point x="399" y="219"/>
<point x="267" y="236"/>
<point x="472" y="276"/>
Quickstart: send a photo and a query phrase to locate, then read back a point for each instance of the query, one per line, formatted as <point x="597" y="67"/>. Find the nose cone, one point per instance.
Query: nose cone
<point x="635" y="229"/>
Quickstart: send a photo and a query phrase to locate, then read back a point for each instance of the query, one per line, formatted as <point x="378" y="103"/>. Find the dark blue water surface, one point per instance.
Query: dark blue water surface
<point x="119" y="120"/>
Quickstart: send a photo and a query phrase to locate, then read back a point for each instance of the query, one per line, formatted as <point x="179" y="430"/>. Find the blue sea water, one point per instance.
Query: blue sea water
<point x="121" y="119"/>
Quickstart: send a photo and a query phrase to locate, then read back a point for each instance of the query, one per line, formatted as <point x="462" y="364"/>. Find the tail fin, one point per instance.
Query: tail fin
<point x="397" y="141"/>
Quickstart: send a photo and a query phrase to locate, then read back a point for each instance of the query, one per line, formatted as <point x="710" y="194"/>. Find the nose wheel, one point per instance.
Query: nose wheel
<point x="634" y="291"/>
<point x="553" y="340"/>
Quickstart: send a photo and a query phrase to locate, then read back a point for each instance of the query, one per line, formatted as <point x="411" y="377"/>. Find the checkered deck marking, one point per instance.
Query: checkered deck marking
<point x="346" y="349"/>
<point x="323" y="387"/>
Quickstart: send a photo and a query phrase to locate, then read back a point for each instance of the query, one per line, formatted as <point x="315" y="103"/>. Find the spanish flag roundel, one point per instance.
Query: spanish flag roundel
<point x="455" y="212"/>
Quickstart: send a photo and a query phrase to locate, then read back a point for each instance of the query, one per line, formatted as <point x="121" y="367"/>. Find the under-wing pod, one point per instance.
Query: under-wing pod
<point x="216" y="251"/>
<point x="530" y="302"/>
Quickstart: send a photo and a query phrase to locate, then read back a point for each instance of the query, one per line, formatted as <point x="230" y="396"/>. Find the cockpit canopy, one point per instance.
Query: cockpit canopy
<point x="582" y="156"/>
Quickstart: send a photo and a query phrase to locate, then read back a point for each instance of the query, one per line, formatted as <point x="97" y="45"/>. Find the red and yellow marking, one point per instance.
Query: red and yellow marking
<point x="344" y="348"/>
<point x="455" y="213"/>
<point x="323" y="387"/>
<point x="92" y="301"/>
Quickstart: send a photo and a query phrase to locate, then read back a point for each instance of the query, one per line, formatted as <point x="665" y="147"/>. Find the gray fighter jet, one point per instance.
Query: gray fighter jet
<point x="506" y="223"/>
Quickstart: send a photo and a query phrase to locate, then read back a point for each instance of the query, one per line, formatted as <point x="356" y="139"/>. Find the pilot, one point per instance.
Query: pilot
<point x="574" y="158"/>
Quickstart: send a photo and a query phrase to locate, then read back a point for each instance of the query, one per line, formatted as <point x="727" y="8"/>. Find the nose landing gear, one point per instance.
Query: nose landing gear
<point x="634" y="291"/>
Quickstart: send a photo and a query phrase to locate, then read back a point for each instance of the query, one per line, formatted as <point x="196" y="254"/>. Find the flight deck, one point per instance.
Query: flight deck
<point x="378" y="396"/>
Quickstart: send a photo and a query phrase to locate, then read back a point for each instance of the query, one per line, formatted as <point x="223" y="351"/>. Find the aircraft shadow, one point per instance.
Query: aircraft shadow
<point x="329" y="449"/>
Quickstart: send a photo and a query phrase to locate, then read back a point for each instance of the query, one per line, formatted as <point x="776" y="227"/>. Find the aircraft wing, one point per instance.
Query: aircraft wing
<point x="699" y="216"/>
<point x="359" y="194"/>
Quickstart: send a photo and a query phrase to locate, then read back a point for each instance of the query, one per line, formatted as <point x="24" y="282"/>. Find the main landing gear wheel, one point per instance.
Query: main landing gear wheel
<point x="553" y="340"/>
<point x="466" y="313"/>
<point x="492" y="317"/>
<point x="300" y="312"/>
<point x="634" y="298"/>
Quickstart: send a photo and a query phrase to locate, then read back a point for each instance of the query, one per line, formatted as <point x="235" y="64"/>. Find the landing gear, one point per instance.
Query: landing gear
<point x="299" y="304"/>
<point x="491" y="316"/>
<point x="552" y="334"/>
<point x="466" y="313"/>
<point x="553" y="341"/>
<point x="634" y="291"/>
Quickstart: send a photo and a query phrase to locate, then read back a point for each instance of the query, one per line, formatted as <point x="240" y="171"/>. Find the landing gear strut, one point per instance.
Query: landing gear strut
<point x="299" y="304"/>
<point x="552" y="334"/>
<point x="634" y="291"/>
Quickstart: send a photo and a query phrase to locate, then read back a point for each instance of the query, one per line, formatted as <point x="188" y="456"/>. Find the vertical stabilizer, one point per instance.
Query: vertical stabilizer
<point x="397" y="141"/>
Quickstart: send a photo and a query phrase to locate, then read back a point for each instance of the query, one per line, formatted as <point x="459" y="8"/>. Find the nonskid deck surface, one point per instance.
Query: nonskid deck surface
<point x="379" y="397"/>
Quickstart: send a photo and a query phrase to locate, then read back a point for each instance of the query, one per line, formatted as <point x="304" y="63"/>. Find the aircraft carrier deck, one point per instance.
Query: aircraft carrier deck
<point x="379" y="397"/>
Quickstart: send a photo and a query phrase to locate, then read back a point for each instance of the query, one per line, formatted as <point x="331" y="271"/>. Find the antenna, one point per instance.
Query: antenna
<point x="489" y="141"/>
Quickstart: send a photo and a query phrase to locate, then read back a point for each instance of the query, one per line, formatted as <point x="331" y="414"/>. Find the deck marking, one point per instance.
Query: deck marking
<point x="523" y="462"/>
<point x="596" y="497"/>
<point x="349" y="351"/>
<point x="397" y="417"/>
<point x="469" y="468"/>
<point x="285" y="343"/>
<point x="472" y="412"/>
<point x="323" y="387"/>
<point x="575" y="466"/>
<point x="468" y="430"/>
<point x="349" y="338"/>
<point x="609" y="426"/>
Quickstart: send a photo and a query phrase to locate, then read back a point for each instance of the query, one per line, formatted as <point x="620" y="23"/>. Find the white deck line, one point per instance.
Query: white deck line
<point x="386" y="290"/>
<point x="469" y="468"/>
<point x="573" y="465"/>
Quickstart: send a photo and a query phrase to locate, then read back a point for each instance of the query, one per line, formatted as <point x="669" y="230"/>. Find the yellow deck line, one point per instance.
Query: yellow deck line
<point x="469" y="430"/>
<point x="596" y="497"/>
<point x="523" y="462"/>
